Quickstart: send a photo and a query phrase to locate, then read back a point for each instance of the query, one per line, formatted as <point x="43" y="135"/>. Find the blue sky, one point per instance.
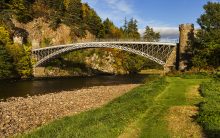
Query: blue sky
<point x="163" y="15"/>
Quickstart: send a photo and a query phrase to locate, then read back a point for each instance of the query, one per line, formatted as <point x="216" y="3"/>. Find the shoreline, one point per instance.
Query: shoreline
<point x="19" y="115"/>
<point x="65" y="77"/>
<point x="25" y="88"/>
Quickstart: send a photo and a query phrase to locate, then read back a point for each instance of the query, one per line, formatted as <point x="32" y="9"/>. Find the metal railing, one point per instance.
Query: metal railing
<point x="125" y="40"/>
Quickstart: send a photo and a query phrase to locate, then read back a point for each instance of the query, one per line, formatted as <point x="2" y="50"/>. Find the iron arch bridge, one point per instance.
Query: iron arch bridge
<point x="155" y="51"/>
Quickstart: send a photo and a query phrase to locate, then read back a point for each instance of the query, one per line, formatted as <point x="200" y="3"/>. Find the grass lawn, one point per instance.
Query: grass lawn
<point x="154" y="122"/>
<point x="146" y="111"/>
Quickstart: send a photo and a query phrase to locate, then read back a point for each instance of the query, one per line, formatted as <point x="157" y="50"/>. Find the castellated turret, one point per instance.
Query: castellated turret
<point x="186" y="39"/>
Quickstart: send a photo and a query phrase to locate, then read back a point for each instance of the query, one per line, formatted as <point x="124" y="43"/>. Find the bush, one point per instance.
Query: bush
<point x="209" y="114"/>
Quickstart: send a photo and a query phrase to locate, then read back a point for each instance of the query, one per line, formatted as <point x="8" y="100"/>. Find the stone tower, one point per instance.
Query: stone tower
<point x="186" y="38"/>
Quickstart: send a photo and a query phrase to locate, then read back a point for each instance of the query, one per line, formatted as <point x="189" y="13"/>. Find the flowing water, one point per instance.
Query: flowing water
<point x="22" y="88"/>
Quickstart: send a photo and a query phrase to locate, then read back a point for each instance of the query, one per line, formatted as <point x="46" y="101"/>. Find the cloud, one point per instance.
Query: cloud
<point x="91" y="2"/>
<point x="168" y="32"/>
<point x="117" y="10"/>
<point x="120" y="5"/>
<point x="214" y="1"/>
<point x="165" y="32"/>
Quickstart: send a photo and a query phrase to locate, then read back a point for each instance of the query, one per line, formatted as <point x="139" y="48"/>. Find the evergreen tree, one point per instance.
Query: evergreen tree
<point x="4" y="4"/>
<point x="73" y="17"/>
<point x="125" y="28"/>
<point x="58" y="13"/>
<point x="150" y="35"/>
<point x="95" y="23"/>
<point x="108" y="25"/>
<point x="101" y="33"/>
<point x="22" y="10"/>
<point x="206" y="48"/>
<point x="133" y="29"/>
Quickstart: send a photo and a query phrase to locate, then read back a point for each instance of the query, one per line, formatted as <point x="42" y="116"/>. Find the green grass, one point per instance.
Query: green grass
<point x="153" y="123"/>
<point x="209" y="115"/>
<point x="144" y="107"/>
<point x="108" y="121"/>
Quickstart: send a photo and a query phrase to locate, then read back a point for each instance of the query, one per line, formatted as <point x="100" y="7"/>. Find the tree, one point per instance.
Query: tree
<point x="206" y="48"/>
<point x="5" y="59"/>
<point x="93" y="22"/>
<point x="5" y="63"/>
<point x="132" y="31"/>
<point x="150" y="35"/>
<point x="125" y="28"/>
<point x="116" y="33"/>
<point x="21" y="60"/>
<point x="4" y="36"/>
<point x="57" y="14"/>
<point x="111" y="31"/>
<point x="108" y="25"/>
<point x="133" y="63"/>
<point x="22" y="10"/>
<point x="101" y="33"/>
<point x="73" y="17"/>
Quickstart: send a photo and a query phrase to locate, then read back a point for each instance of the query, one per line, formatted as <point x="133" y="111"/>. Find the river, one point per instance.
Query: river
<point x="22" y="88"/>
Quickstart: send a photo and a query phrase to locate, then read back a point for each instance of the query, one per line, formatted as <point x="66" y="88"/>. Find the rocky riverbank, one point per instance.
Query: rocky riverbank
<point x="18" y="115"/>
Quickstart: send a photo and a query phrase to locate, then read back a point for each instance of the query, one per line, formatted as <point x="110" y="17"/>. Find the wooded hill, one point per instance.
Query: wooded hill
<point x="80" y="19"/>
<point x="73" y="13"/>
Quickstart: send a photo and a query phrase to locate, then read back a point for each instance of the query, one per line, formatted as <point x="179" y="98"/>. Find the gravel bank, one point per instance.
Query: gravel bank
<point x="18" y="115"/>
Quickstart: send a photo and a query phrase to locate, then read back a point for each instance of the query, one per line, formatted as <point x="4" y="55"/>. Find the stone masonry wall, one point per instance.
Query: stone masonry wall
<point x="186" y="37"/>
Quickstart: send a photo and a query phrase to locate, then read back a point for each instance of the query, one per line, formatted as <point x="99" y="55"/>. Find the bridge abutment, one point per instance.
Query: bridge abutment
<point x="39" y="72"/>
<point x="171" y="62"/>
<point x="186" y="37"/>
<point x="180" y="58"/>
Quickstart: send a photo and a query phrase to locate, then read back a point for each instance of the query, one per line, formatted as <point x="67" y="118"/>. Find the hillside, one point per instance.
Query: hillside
<point x="40" y="23"/>
<point x="47" y="16"/>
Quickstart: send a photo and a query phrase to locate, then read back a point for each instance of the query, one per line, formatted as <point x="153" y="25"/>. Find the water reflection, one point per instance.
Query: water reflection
<point x="35" y="87"/>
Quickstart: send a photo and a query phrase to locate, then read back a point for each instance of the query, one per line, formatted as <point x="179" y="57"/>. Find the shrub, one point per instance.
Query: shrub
<point x="209" y="115"/>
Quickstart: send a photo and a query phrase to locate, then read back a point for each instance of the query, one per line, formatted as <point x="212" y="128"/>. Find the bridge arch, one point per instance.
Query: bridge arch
<point x="157" y="52"/>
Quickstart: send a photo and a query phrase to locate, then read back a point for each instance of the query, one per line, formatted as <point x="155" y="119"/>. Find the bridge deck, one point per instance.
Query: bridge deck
<point x="156" y="51"/>
<point x="105" y="42"/>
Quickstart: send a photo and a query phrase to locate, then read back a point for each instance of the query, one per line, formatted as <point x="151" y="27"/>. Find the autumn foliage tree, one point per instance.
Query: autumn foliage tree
<point x="110" y="30"/>
<point x="5" y="59"/>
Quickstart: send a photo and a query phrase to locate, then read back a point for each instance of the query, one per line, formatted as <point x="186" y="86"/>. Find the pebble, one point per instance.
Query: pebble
<point x="19" y="115"/>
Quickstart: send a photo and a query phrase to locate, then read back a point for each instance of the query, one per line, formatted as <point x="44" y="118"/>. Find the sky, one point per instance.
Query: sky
<point x="163" y="15"/>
